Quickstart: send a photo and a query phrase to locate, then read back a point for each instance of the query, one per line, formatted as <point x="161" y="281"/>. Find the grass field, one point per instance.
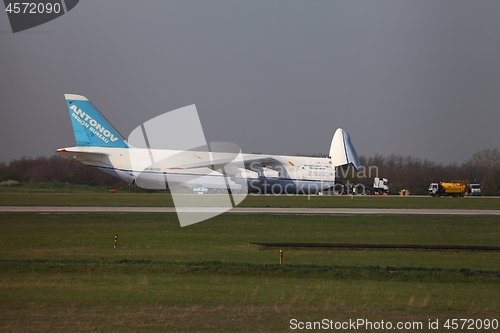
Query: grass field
<point x="53" y="187"/>
<point x="165" y="200"/>
<point x="59" y="272"/>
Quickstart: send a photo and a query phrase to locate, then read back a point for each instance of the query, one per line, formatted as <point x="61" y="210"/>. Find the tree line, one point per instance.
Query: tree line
<point x="415" y="174"/>
<point x="408" y="172"/>
<point x="56" y="169"/>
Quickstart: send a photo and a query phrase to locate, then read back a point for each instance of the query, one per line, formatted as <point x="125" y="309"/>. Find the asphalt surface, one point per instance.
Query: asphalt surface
<point x="251" y="210"/>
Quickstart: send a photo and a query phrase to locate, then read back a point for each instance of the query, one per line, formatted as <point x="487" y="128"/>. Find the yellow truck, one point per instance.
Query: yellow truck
<point x="456" y="188"/>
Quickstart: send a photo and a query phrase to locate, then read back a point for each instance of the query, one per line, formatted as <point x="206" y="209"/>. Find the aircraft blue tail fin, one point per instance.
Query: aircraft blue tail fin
<point x="90" y="127"/>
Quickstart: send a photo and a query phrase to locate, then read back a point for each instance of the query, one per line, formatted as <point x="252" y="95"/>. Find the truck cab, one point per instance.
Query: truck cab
<point x="475" y="189"/>
<point x="381" y="185"/>
<point x="434" y="189"/>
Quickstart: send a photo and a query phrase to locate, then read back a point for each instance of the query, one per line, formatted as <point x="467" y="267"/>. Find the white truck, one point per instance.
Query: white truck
<point x="475" y="189"/>
<point x="380" y="186"/>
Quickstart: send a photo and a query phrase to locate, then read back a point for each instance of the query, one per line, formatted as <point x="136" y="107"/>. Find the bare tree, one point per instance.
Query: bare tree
<point x="481" y="166"/>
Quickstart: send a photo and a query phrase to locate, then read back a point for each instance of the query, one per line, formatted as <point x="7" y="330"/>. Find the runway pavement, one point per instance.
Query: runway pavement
<point x="250" y="210"/>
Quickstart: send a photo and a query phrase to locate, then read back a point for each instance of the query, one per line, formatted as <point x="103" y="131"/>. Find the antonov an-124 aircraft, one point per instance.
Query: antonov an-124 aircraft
<point x="151" y="159"/>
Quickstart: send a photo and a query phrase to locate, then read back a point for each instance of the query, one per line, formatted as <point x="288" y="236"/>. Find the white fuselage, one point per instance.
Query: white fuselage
<point x="282" y="174"/>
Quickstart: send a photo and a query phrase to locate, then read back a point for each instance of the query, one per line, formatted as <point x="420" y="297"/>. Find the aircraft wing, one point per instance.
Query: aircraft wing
<point x="260" y="160"/>
<point x="222" y="162"/>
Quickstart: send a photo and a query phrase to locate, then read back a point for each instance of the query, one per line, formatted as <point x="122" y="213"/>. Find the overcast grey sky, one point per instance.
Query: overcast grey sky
<point x="417" y="78"/>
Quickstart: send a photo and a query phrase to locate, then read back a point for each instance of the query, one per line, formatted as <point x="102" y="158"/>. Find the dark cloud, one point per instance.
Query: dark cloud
<point x="406" y="77"/>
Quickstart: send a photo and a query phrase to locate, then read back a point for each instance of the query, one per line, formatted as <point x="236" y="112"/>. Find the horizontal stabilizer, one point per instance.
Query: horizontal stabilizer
<point x="82" y="156"/>
<point x="342" y="151"/>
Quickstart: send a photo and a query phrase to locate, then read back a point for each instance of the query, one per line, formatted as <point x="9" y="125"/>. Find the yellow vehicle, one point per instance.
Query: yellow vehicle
<point x="456" y="188"/>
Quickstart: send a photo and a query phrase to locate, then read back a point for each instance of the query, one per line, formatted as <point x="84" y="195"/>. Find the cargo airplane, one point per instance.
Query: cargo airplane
<point x="100" y="145"/>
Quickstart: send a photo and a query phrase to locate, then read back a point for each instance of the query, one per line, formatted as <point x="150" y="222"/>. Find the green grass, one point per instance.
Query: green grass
<point x="86" y="199"/>
<point x="165" y="200"/>
<point x="53" y="187"/>
<point x="59" y="272"/>
<point x="227" y="238"/>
